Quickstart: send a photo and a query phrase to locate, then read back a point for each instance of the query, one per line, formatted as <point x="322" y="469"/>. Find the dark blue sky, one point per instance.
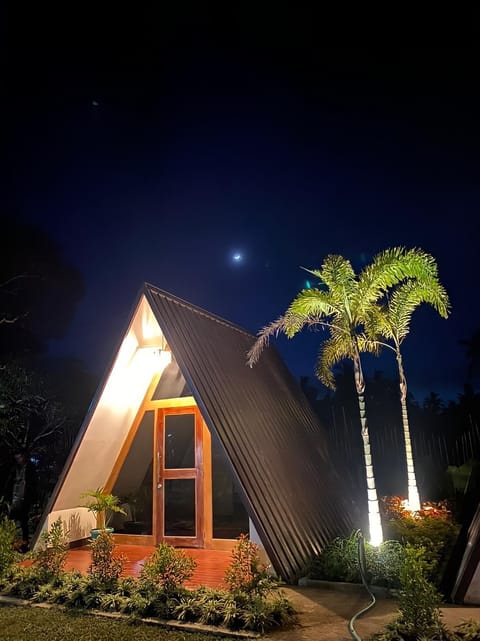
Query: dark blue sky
<point x="153" y="147"/>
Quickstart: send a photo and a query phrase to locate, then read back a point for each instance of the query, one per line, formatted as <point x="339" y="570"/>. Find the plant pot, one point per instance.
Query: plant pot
<point x="95" y="532"/>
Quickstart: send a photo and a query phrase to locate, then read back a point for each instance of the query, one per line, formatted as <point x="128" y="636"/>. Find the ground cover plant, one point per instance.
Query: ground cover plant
<point x="252" y="602"/>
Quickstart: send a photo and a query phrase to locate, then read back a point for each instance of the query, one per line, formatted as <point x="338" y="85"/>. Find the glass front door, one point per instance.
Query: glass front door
<point x="179" y="464"/>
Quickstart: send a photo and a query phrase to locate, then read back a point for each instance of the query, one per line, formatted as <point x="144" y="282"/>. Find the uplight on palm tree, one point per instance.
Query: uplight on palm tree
<point x="389" y="324"/>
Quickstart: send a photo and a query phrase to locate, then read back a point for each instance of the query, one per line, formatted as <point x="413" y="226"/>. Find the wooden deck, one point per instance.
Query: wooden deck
<point x="210" y="570"/>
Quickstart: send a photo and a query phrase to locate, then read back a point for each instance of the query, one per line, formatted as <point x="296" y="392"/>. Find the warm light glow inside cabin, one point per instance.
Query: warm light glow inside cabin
<point x="140" y="357"/>
<point x="130" y="373"/>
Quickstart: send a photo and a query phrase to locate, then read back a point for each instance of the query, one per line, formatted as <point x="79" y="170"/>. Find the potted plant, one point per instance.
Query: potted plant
<point x="102" y="505"/>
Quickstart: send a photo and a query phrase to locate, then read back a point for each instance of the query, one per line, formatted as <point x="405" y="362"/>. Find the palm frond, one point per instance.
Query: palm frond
<point x="389" y="268"/>
<point x="377" y="323"/>
<point x="335" y="271"/>
<point x="367" y="344"/>
<point x="332" y="351"/>
<point x="312" y="303"/>
<point x="288" y="324"/>
<point x="408" y="296"/>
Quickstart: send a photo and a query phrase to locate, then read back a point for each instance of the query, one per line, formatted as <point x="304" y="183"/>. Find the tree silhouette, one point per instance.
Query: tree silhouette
<point x="39" y="288"/>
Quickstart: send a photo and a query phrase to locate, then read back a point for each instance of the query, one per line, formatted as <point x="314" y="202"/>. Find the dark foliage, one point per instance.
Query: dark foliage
<point x="444" y="437"/>
<point x="39" y="288"/>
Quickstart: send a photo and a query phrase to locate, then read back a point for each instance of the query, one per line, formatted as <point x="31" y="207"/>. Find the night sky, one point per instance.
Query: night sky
<point x="154" y="146"/>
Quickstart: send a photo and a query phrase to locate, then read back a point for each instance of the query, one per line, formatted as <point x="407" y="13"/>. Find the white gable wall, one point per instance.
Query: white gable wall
<point x="135" y="365"/>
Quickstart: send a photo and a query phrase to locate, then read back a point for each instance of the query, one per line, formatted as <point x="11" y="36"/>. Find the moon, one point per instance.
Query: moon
<point x="237" y="257"/>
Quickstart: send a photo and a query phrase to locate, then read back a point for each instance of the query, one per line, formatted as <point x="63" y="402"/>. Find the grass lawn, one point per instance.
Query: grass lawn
<point x="19" y="623"/>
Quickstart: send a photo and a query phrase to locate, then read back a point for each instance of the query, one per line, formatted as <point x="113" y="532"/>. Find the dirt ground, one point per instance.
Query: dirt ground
<point x="324" y="614"/>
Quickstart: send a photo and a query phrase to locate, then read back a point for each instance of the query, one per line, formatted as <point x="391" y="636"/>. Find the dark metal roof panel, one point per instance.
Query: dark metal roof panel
<point x="271" y="436"/>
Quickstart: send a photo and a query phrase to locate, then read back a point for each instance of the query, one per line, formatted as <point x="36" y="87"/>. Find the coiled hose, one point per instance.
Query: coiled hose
<point x="363" y="573"/>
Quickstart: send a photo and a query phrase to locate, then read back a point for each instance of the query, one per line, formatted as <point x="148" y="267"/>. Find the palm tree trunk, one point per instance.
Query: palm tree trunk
<point x="413" y="495"/>
<point x="374" y="522"/>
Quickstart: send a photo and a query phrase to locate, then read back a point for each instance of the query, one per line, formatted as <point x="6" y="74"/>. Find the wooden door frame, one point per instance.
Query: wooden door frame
<point x="160" y="475"/>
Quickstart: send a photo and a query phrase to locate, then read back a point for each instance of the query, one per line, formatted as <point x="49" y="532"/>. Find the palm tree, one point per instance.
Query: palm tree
<point x="390" y="321"/>
<point x="341" y="304"/>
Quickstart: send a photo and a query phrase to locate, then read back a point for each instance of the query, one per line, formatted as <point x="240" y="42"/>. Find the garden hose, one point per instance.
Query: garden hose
<point x="363" y="574"/>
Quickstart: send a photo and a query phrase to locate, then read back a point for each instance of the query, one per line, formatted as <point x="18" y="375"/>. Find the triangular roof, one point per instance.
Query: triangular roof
<point x="271" y="436"/>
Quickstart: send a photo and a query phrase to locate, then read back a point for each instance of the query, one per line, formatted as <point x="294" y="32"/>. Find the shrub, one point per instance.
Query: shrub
<point x="49" y="559"/>
<point x="384" y="563"/>
<point x="76" y="591"/>
<point x="167" y="569"/>
<point x="339" y="562"/>
<point x="246" y="572"/>
<point x="203" y="605"/>
<point x="419" y="603"/>
<point x="468" y="630"/>
<point x="394" y="506"/>
<point x="419" y="600"/>
<point x="240" y="611"/>
<point x="261" y="614"/>
<point x="105" y="567"/>
<point x="8" y="535"/>
<point x="22" y="582"/>
<point x="432" y="528"/>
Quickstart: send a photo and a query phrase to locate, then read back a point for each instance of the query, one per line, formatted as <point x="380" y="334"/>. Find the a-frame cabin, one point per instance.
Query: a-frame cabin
<point x="199" y="446"/>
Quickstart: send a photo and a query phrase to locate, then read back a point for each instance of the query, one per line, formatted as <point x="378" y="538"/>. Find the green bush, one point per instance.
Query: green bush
<point x="75" y="591"/>
<point x="432" y="528"/>
<point x="204" y="605"/>
<point x="419" y="603"/>
<point x="50" y="557"/>
<point x="235" y="611"/>
<point x="468" y="630"/>
<point x="384" y="563"/>
<point x="105" y="567"/>
<point x="246" y="573"/>
<point x="22" y="582"/>
<point x="419" y="600"/>
<point x="436" y="535"/>
<point x="339" y="562"/>
<point x="8" y="535"/>
<point x="167" y="569"/>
